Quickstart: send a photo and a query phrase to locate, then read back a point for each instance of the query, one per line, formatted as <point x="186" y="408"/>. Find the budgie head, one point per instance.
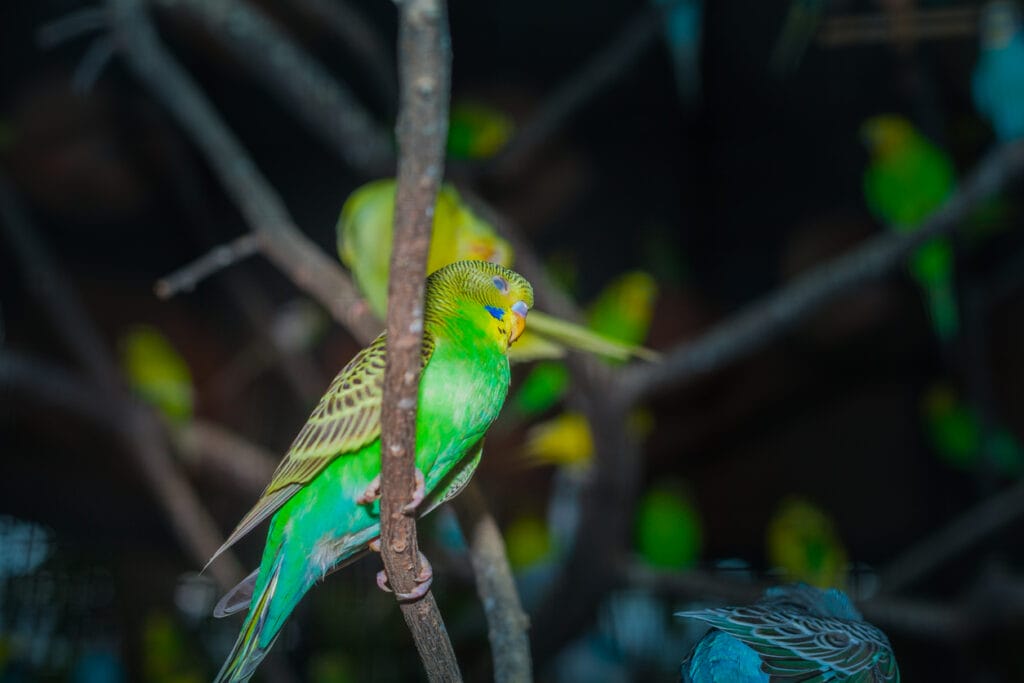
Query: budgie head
<point x="492" y="298"/>
<point x="887" y="135"/>
<point x="999" y="23"/>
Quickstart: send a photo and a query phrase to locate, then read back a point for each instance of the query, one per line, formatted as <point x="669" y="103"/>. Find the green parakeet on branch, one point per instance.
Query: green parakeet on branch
<point x="323" y="499"/>
<point x="364" y="244"/>
<point x="907" y="179"/>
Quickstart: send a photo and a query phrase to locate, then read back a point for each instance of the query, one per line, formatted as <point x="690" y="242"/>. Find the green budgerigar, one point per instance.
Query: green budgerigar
<point x="907" y="179"/>
<point x="323" y="500"/>
<point x="364" y="244"/>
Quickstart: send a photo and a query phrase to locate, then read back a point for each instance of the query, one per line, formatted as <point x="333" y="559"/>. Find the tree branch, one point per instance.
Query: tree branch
<point x="23" y="376"/>
<point x="604" y="68"/>
<point x="262" y="46"/>
<point x="286" y="258"/>
<point x="206" y="445"/>
<point x="506" y="621"/>
<point x="186" y="278"/>
<point x="283" y="243"/>
<point x="769" y="318"/>
<point x="363" y="41"/>
<point x="424" y="63"/>
<point x="918" y="25"/>
<point x="944" y="544"/>
<point x="970" y="615"/>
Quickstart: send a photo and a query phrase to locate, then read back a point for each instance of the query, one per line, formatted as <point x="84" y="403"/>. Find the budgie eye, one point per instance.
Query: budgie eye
<point x="500" y="283"/>
<point x="496" y="313"/>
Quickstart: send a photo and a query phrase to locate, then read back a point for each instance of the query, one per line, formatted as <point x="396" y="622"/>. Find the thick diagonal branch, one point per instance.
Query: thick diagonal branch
<point x="774" y="315"/>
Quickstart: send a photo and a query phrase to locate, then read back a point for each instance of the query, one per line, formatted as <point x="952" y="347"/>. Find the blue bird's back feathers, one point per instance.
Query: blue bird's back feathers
<point x="794" y="633"/>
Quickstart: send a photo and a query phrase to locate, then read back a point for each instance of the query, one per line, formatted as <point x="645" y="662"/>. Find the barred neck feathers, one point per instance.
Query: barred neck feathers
<point x="478" y="298"/>
<point x="815" y="601"/>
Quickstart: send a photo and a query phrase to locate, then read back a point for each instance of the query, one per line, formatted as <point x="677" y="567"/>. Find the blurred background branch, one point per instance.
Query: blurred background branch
<point x="142" y="434"/>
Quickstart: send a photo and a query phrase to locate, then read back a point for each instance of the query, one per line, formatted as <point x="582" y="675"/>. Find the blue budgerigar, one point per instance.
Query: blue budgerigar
<point x="795" y="633"/>
<point x="998" y="81"/>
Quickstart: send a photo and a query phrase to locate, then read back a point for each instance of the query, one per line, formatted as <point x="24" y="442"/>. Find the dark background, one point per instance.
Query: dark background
<point x="735" y="193"/>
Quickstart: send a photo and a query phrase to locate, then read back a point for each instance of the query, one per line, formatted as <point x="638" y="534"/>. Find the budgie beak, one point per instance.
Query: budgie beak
<point x="518" y="323"/>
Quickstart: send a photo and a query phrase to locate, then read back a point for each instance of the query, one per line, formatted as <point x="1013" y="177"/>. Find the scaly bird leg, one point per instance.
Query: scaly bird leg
<point x="417" y="495"/>
<point x="371" y="493"/>
<point x="424" y="579"/>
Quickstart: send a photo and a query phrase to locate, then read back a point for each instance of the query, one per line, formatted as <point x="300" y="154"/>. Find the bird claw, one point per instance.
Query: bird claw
<point x="418" y="493"/>
<point x="371" y="493"/>
<point x="424" y="579"/>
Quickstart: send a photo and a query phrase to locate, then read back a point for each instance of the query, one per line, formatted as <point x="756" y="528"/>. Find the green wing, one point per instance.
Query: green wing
<point x="346" y="419"/>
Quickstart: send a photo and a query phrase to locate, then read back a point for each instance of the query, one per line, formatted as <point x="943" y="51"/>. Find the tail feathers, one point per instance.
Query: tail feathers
<point x="247" y="653"/>
<point x="238" y="598"/>
<point x="264" y="508"/>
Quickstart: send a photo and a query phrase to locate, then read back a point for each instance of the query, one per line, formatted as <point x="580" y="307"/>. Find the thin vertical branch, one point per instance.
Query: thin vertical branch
<point x="424" y="72"/>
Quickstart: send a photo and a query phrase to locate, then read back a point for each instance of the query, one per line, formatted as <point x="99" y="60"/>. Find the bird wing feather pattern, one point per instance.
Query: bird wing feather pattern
<point x="346" y="419"/>
<point x="795" y="646"/>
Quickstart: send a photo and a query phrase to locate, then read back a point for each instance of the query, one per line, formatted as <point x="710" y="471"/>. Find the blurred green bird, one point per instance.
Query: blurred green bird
<point x="157" y="373"/>
<point x="959" y="436"/>
<point x="667" y="528"/>
<point x="477" y="130"/>
<point x="907" y="179"/>
<point x="802" y="541"/>
<point x="622" y="312"/>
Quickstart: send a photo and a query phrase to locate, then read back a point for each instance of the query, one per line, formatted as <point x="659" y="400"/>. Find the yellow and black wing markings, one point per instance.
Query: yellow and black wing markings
<point x="346" y="419"/>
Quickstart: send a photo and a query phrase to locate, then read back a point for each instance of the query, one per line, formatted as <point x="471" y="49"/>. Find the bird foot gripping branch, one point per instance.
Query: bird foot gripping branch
<point x="423" y="579"/>
<point x="372" y="493"/>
